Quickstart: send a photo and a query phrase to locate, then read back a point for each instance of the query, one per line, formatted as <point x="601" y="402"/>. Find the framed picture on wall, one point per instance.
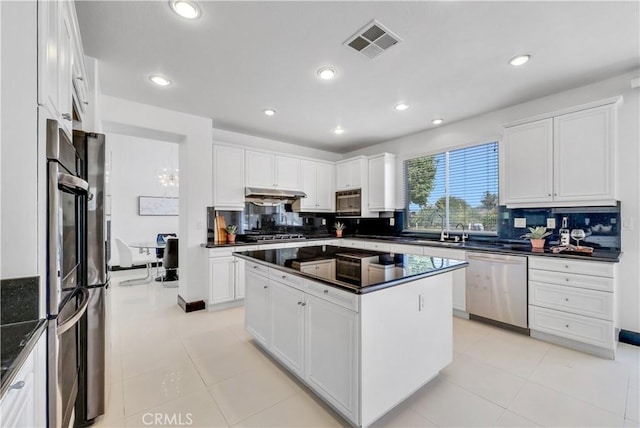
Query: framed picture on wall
<point x="155" y="205"/>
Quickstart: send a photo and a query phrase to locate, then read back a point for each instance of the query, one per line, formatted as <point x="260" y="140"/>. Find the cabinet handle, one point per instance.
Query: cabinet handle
<point x="549" y="194"/>
<point x="566" y="266"/>
<point x="85" y="103"/>
<point x="17" y="385"/>
<point x="266" y="286"/>
<point x="566" y="299"/>
<point x="555" y="194"/>
<point x="303" y="304"/>
<point x="255" y="267"/>
<point x="566" y="325"/>
<point x="566" y="279"/>
<point x="80" y="78"/>
<point x="326" y="291"/>
<point x="299" y="303"/>
<point x="66" y="116"/>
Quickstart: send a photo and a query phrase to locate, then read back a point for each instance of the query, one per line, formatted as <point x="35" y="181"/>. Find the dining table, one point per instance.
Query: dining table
<point x="146" y="247"/>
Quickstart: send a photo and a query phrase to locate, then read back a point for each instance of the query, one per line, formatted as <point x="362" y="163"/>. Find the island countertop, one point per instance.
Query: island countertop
<point x="402" y="268"/>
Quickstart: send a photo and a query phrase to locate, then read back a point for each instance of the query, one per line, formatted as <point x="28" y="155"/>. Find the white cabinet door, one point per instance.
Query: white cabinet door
<point x="288" y="173"/>
<point x="221" y="275"/>
<point x="583" y="155"/>
<point x="48" y="55"/>
<point x="239" y="277"/>
<point x="376" y="184"/>
<point x="343" y="176"/>
<point x="287" y="326"/>
<point x="528" y="162"/>
<point x="257" y="307"/>
<point x="228" y="178"/>
<point x="64" y="67"/>
<point x="331" y="354"/>
<point x="260" y="169"/>
<point x="309" y="186"/>
<point x="356" y="173"/>
<point x="325" y="187"/>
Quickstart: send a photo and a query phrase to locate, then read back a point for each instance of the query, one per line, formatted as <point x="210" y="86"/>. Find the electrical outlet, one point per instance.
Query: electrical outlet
<point x="627" y="223"/>
<point x="324" y="221"/>
<point x="392" y="222"/>
<point x="520" y="222"/>
<point x="551" y="223"/>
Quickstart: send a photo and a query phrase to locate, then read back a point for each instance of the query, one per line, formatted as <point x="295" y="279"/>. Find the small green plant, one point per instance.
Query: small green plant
<point x="232" y="229"/>
<point x="339" y="226"/>
<point x="538" y="232"/>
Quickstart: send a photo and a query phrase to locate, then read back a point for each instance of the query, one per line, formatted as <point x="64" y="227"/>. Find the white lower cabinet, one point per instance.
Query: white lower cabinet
<point x="314" y="337"/>
<point x="226" y="277"/>
<point x="322" y="269"/>
<point x="332" y="353"/>
<point x="24" y="403"/>
<point x="459" y="276"/>
<point x="572" y="303"/>
<point x="257" y="306"/>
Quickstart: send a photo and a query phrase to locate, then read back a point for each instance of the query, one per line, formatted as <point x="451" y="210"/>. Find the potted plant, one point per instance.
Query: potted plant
<point x="231" y="233"/>
<point x="536" y="235"/>
<point x="339" y="228"/>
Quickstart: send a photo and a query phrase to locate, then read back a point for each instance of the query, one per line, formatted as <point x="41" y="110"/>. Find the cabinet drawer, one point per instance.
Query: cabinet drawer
<point x="286" y="278"/>
<point x="575" y="300"/>
<point x="572" y="266"/>
<point x="576" y="327"/>
<point x="333" y="295"/>
<point x="571" y="279"/>
<point x="257" y="268"/>
<point x="221" y="252"/>
<point x="377" y="246"/>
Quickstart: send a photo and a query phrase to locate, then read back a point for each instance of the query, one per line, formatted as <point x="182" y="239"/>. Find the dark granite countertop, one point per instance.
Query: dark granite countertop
<point x="241" y="243"/>
<point x="18" y="339"/>
<point x="497" y="246"/>
<point x="408" y="267"/>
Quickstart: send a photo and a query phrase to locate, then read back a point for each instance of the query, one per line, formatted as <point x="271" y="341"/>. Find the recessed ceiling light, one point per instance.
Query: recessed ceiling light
<point x="519" y="60"/>
<point x="326" y="73"/>
<point x="338" y="130"/>
<point x="185" y="8"/>
<point x="160" y="80"/>
<point x="270" y="112"/>
<point x="437" y="121"/>
<point x="402" y="106"/>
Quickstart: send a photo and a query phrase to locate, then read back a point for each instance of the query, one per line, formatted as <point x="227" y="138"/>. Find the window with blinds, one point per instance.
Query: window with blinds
<point x="451" y="188"/>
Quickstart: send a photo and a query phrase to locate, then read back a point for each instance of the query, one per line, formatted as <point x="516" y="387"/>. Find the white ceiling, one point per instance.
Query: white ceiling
<point x="240" y="58"/>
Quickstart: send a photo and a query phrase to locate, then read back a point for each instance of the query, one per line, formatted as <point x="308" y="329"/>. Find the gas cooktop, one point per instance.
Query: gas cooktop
<point x="275" y="237"/>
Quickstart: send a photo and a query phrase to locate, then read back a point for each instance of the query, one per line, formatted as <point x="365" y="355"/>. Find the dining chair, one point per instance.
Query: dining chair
<point x="127" y="260"/>
<point x="170" y="263"/>
<point x="161" y="238"/>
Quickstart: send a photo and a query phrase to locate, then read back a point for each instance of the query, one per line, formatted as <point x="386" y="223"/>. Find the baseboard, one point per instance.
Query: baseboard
<point x="198" y="305"/>
<point x="116" y="268"/>
<point x="630" y="337"/>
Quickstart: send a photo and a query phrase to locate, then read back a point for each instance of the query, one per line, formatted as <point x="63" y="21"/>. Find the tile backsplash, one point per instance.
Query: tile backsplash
<point x="601" y="224"/>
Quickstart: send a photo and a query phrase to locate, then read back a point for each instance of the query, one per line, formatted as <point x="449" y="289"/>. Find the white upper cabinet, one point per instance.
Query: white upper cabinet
<point x="584" y="152"/>
<point x="271" y="171"/>
<point x="228" y="178"/>
<point x="349" y="174"/>
<point x="48" y="55"/>
<point x="382" y="180"/>
<point x="318" y="184"/>
<point x="564" y="160"/>
<point x="65" y="107"/>
<point x="528" y="166"/>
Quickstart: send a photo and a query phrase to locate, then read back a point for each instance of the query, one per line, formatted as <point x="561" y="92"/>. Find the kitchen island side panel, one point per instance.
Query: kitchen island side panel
<point x="406" y="339"/>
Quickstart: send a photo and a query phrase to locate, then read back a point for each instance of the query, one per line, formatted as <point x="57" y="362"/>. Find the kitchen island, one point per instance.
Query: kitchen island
<point x="364" y="330"/>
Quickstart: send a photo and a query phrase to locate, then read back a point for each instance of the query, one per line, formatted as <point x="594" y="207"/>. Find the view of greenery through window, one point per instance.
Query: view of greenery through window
<point x="451" y="188"/>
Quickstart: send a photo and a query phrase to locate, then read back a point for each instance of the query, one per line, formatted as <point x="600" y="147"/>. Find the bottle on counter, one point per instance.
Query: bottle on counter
<point x="565" y="234"/>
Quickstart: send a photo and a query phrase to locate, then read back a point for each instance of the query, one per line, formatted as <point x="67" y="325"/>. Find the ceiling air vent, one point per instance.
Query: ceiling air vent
<point x="373" y="39"/>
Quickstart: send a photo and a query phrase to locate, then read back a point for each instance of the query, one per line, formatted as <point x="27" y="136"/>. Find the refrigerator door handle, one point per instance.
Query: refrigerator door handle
<point x="73" y="320"/>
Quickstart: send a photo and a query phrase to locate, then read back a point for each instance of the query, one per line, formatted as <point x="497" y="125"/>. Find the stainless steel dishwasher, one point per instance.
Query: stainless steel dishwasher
<point x="497" y="288"/>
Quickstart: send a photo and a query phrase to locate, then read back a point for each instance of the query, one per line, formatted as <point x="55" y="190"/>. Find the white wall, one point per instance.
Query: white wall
<point x="195" y="152"/>
<point x="135" y="163"/>
<point x="488" y="127"/>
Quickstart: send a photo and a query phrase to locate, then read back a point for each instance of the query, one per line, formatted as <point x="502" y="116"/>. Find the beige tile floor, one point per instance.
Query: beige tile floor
<point x="168" y="368"/>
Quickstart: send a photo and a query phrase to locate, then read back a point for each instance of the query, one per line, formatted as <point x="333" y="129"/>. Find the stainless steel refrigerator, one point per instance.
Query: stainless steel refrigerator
<point x="93" y="341"/>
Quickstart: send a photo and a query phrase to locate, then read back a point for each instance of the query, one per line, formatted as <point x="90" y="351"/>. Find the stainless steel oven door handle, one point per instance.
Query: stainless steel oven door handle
<point x="74" y="184"/>
<point x="73" y="320"/>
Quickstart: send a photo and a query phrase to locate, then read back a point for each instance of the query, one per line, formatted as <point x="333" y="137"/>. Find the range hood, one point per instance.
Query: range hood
<point x="271" y="197"/>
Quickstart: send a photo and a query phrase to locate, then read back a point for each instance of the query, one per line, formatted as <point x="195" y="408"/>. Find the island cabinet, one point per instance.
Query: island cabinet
<point x="542" y="161"/>
<point x="572" y="303"/>
<point x="362" y="354"/>
<point x="266" y="170"/>
<point x="228" y="178"/>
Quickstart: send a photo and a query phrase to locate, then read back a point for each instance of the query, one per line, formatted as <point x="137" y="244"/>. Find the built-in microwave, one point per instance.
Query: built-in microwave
<point x="348" y="202"/>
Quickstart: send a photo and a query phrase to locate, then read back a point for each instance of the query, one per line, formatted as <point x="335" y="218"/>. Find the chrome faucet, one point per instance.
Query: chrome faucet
<point x="443" y="233"/>
<point x="464" y="235"/>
